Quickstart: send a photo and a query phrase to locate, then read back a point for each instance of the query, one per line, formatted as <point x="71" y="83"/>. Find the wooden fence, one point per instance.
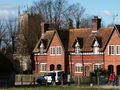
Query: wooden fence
<point x="95" y="80"/>
<point x="31" y="79"/>
<point x="25" y="79"/>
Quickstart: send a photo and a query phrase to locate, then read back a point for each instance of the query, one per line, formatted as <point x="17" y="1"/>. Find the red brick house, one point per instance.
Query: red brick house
<point x="79" y="51"/>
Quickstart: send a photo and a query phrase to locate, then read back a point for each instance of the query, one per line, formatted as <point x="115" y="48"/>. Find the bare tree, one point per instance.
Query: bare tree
<point x="86" y="21"/>
<point x="12" y="30"/>
<point x="2" y="32"/>
<point x="75" y="12"/>
<point x="58" y="12"/>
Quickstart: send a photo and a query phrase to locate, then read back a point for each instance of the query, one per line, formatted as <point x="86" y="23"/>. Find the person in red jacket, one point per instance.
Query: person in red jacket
<point x="111" y="78"/>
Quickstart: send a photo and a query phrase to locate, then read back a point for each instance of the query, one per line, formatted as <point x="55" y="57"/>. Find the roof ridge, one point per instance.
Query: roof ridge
<point x="80" y="29"/>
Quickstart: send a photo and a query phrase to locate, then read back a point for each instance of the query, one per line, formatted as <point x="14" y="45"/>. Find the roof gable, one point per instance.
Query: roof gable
<point x="46" y="40"/>
<point x="55" y="33"/>
<point x="117" y="28"/>
<point x="79" y="41"/>
<point x="96" y="40"/>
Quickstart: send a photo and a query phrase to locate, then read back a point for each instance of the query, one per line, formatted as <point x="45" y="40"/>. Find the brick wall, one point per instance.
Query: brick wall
<point x="55" y="59"/>
<point x="88" y="61"/>
<point x="112" y="59"/>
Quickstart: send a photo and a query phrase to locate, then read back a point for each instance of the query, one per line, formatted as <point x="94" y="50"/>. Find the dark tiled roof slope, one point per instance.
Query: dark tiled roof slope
<point x="46" y="41"/>
<point x="85" y="37"/>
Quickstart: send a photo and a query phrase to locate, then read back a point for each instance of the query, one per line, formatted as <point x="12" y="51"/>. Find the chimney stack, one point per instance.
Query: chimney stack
<point x="44" y="28"/>
<point x="96" y="23"/>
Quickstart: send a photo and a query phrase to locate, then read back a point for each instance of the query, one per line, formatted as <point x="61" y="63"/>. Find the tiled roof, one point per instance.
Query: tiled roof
<point x="118" y="28"/>
<point x="45" y="40"/>
<point x="85" y="37"/>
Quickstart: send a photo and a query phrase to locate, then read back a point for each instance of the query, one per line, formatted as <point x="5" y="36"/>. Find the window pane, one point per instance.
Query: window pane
<point x="97" y="66"/>
<point x="111" y="50"/>
<point x="52" y="51"/>
<point x="57" y="50"/>
<point x="60" y="50"/>
<point x="78" y="67"/>
<point x="42" y="67"/>
<point x="77" y="50"/>
<point x="118" y="49"/>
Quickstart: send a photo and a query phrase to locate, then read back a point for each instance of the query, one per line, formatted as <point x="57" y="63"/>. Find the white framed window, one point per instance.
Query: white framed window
<point x="52" y="51"/>
<point x="96" y="48"/>
<point x="41" y="48"/>
<point x="58" y="50"/>
<point x="78" y="68"/>
<point x="42" y="67"/>
<point x="96" y="66"/>
<point x="117" y="49"/>
<point x="77" y="48"/>
<point x="55" y="50"/>
<point x="111" y="50"/>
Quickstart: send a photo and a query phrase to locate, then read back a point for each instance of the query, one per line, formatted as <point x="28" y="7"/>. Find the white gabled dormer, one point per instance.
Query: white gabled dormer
<point x="77" y="48"/>
<point x="41" y="48"/>
<point x="96" y="47"/>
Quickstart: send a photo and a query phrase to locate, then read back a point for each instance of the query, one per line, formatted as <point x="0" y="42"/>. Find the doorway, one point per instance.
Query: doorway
<point x="52" y="67"/>
<point x="59" y="67"/>
<point x="111" y="69"/>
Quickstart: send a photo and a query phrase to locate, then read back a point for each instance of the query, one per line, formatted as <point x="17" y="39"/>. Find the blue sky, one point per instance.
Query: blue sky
<point x="105" y="9"/>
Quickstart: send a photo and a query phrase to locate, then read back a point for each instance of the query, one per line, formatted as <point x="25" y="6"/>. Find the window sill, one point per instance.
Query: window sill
<point x="58" y="54"/>
<point x="42" y="71"/>
<point x="118" y="54"/>
<point x="78" y="72"/>
<point x="52" y="55"/>
<point x="111" y="54"/>
<point x="55" y="54"/>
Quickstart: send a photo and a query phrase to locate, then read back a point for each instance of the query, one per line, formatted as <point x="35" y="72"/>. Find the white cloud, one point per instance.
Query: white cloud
<point x="9" y="6"/>
<point x="4" y="14"/>
<point x="106" y="12"/>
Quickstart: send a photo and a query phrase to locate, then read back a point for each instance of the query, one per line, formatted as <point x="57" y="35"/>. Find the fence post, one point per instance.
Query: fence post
<point x="98" y="78"/>
<point x="68" y="79"/>
<point x="34" y="79"/>
<point x="78" y="81"/>
<point x="21" y="80"/>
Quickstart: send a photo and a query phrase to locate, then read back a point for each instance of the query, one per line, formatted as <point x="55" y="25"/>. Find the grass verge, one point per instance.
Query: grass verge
<point x="58" y="88"/>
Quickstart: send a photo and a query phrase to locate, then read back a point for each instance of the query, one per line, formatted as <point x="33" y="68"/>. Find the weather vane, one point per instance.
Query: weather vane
<point x="114" y="17"/>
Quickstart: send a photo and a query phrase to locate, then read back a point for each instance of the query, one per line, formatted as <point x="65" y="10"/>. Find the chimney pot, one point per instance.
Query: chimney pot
<point x="96" y="23"/>
<point x="44" y="28"/>
<point x="95" y="17"/>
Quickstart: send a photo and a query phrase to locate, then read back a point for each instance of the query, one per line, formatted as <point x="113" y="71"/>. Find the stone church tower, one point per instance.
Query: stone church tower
<point x="22" y="55"/>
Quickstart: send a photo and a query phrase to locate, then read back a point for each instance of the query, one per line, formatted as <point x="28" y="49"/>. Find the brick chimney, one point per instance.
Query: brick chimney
<point x="44" y="28"/>
<point x="96" y="23"/>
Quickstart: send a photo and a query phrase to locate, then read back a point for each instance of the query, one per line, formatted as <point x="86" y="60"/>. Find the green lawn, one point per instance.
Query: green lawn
<point x="57" y="88"/>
